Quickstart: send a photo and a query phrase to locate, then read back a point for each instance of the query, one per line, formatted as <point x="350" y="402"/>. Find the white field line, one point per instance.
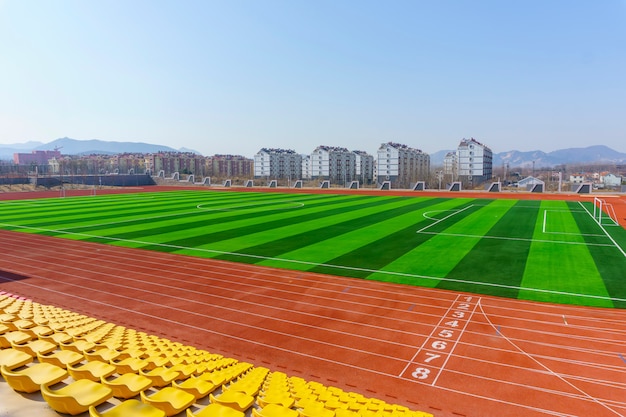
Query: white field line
<point x="229" y="275"/>
<point x="299" y="262"/>
<point x="544" y="229"/>
<point x="532" y="358"/>
<point x="605" y="232"/>
<point x="520" y="239"/>
<point x="573" y="312"/>
<point x="454" y="212"/>
<point x="533" y="340"/>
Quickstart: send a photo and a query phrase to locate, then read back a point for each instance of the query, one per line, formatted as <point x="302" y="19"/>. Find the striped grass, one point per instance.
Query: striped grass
<point x="537" y="250"/>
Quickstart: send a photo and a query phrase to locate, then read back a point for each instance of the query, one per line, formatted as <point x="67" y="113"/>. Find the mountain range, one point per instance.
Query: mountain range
<point x="68" y="146"/>
<point x="540" y="159"/>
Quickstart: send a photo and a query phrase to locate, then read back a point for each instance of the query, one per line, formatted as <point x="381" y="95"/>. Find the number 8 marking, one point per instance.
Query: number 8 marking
<point x="421" y="373"/>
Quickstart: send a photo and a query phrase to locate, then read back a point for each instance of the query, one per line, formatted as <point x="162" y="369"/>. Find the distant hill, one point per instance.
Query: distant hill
<point x="591" y="154"/>
<point x="68" y="146"/>
<point x="7" y="151"/>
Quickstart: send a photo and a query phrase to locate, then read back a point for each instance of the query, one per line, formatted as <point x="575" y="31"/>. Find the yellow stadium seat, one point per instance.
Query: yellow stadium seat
<point x="315" y="411"/>
<point x="77" y="397"/>
<point x="340" y="412"/>
<point x="35" y="347"/>
<point x="93" y="370"/>
<point x="101" y="354"/>
<point x="61" y="358"/>
<point x="127" y="385"/>
<point x="216" y="410"/>
<point x="13" y="358"/>
<point x="197" y="387"/>
<point x="129" y="365"/>
<point x="57" y="338"/>
<point x="160" y="376"/>
<point x="33" y="377"/>
<point x="129" y="408"/>
<point x="14" y="336"/>
<point x="77" y="346"/>
<point x="171" y="400"/>
<point x="234" y="399"/>
<point x="274" y="410"/>
<point x="275" y="397"/>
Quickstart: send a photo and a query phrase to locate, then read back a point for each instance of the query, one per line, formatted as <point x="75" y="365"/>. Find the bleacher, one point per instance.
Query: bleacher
<point x="83" y="366"/>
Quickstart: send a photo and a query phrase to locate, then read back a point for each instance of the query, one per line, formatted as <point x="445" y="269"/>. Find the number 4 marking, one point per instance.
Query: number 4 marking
<point x="453" y="323"/>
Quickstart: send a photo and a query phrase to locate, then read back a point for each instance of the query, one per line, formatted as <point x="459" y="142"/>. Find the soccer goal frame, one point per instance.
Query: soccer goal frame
<point x="602" y="210"/>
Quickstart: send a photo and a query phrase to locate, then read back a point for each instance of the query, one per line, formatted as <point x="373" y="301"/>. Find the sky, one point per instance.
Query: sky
<point x="234" y="76"/>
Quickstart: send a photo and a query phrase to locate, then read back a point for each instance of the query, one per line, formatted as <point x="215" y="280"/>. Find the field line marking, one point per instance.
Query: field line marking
<point x="522" y="239"/>
<point x="550" y="371"/>
<point x="605" y="232"/>
<point x="295" y="261"/>
<point x="454" y="212"/>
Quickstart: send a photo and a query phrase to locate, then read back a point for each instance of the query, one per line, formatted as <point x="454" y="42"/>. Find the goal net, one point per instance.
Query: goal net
<point x="603" y="212"/>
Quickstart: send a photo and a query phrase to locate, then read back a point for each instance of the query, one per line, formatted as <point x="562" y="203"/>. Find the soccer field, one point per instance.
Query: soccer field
<point x="536" y="250"/>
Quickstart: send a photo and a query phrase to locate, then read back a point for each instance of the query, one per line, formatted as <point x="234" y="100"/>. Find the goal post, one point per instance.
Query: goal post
<point x="603" y="212"/>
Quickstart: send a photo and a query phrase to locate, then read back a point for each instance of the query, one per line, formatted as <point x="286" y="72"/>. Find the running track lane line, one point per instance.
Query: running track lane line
<point x="600" y="403"/>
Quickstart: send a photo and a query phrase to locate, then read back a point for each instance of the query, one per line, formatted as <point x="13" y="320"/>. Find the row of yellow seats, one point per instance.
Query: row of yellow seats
<point x="167" y="376"/>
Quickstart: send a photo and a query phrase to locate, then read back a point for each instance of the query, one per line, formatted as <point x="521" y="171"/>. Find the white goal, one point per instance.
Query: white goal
<point x="603" y="212"/>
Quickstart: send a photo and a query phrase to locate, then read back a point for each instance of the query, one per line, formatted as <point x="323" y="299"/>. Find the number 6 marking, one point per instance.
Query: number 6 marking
<point x="421" y="373"/>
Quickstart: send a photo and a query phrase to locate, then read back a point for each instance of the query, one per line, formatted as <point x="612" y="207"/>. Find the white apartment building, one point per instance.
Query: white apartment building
<point x="306" y="166"/>
<point x="450" y="166"/>
<point x="364" y="163"/>
<point x="475" y="162"/>
<point x="333" y="163"/>
<point x="401" y="164"/>
<point x="274" y="163"/>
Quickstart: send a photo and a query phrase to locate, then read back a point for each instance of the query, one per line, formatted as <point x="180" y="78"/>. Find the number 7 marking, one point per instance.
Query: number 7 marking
<point x="431" y="356"/>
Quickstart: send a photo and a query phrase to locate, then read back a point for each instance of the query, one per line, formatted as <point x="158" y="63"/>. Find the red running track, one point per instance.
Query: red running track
<point x="448" y="353"/>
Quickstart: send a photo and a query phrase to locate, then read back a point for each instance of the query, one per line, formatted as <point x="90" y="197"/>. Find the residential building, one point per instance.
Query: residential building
<point x="401" y="164"/>
<point x="333" y="163"/>
<point x="364" y="164"/>
<point x="475" y="162"/>
<point x="450" y="165"/>
<point x="306" y="167"/>
<point x="273" y="163"/>
<point x="35" y="157"/>
<point x="171" y="162"/>
<point x="229" y="166"/>
<point x="611" y="180"/>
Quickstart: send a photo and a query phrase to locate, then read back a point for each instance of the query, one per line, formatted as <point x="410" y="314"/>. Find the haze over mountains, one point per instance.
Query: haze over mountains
<point x="68" y="146"/>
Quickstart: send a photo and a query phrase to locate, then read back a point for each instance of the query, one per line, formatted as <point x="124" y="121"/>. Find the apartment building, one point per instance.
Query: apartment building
<point x="333" y="163"/>
<point x="364" y="164"/>
<point x="274" y="163"/>
<point x="401" y="164"/>
<point x="475" y="161"/>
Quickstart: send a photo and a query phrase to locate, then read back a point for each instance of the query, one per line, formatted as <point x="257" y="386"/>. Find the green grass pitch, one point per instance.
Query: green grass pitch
<point x="536" y="250"/>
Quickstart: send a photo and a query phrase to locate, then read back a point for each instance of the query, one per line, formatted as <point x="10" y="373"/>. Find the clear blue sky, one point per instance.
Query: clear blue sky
<point x="234" y="76"/>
